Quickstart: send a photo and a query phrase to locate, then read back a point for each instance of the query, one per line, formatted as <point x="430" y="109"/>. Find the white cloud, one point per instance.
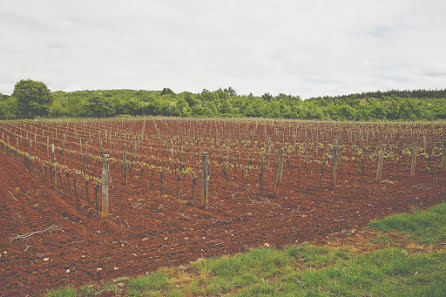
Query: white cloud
<point x="306" y="48"/>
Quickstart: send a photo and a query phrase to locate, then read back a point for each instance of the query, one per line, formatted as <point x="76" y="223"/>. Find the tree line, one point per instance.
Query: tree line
<point x="32" y="99"/>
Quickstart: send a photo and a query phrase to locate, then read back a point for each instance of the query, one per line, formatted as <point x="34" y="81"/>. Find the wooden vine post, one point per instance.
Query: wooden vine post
<point x="8" y="144"/>
<point x="53" y="175"/>
<point x="334" y="166"/>
<point x="105" y="186"/>
<point x="86" y="155"/>
<point x="379" y="169"/>
<point x="414" y="159"/>
<point x="17" y="151"/>
<point x="143" y="129"/>
<point x="279" y="173"/>
<point x="30" y="162"/>
<point x="124" y="164"/>
<point x="63" y="146"/>
<point x="204" y="196"/>
<point x="269" y="150"/>
<point x="443" y="158"/>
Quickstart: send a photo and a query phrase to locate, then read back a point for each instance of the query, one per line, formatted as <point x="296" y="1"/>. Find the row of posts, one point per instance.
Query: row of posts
<point x="205" y="171"/>
<point x="203" y="202"/>
<point x="105" y="183"/>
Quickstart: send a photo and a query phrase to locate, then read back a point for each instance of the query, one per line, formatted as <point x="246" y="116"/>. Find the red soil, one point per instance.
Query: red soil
<point x="147" y="231"/>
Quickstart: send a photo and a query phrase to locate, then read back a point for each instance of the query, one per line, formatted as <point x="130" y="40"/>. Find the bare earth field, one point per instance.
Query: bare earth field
<point x="167" y="231"/>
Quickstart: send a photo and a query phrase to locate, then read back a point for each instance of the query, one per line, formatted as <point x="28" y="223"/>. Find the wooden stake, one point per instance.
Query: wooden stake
<point x="63" y="146"/>
<point x="279" y="173"/>
<point x="53" y="177"/>
<point x="379" y="169"/>
<point x="143" y="129"/>
<point x="204" y="196"/>
<point x="105" y="169"/>
<point x="30" y="145"/>
<point x="86" y="156"/>
<point x="414" y="159"/>
<point x="443" y="158"/>
<point x="333" y="166"/>
<point x="243" y="178"/>
<point x="124" y="164"/>
<point x="17" y="151"/>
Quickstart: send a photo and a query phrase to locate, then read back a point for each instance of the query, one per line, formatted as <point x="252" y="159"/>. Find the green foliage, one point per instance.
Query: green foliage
<point x="226" y="103"/>
<point x="33" y="98"/>
<point x="167" y="91"/>
<point x="392" y="105"/>
<point x="99" y="107"/>
<point x="9" y="109"/>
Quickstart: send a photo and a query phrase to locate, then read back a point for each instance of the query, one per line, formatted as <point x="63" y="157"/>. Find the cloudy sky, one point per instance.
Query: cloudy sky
<point x="306" y="48"/>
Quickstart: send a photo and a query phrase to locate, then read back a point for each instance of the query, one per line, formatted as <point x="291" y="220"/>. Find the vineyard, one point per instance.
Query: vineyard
<point x="127" y="195"/>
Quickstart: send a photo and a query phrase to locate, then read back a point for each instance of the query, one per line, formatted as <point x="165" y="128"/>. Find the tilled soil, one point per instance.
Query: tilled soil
<point x="147" y="230"/>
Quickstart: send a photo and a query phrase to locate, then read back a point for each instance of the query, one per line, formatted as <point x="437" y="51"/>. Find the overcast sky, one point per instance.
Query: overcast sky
<point x="305" y="48"/>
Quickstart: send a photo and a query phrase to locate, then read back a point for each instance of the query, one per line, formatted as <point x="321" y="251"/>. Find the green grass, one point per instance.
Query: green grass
<point x="314" y="256"/>
<point x="222" y="274"/>
<point x="428" y="226"/>
<point x="310" y="270"/>
<point x="387" y="272"/>
<point x="148" y="285"/>
<point x="65" y="292"/>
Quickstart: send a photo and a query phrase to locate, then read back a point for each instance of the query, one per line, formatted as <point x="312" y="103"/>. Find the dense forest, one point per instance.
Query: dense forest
<point x="33" y="99"/>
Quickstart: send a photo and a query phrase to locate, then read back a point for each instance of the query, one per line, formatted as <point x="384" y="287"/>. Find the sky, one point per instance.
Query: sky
<point x="305" y="48"/>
